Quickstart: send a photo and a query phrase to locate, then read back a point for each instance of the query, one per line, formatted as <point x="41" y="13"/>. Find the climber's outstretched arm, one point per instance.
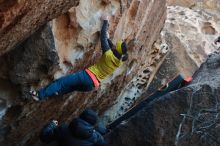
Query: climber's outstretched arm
<point x="110" y="43"/>
<point x="104" y="37"/>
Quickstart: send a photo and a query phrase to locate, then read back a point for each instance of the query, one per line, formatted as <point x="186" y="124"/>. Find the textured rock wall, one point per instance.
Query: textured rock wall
<point x="7" y="91"/>
<point x="139" y="84"/>
<point x="189" y="35"/>
<point x="20" y="18"/>
<point x="202" y="4"/>
<point x="30" y="63"/>
<point x="76" y="32"/>
<point x="195" y="31"/>
<point x="188" y="116"/>
<point x="76" y="37"/>
<point x="34" y="61"/>
<point x="175" y="63"/>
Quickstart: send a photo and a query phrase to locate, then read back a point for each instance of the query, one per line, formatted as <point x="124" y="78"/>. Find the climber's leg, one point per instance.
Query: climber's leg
<point x="79" y="81"/>
<point x="59" y="86"/>
<point x="86" y="83"/>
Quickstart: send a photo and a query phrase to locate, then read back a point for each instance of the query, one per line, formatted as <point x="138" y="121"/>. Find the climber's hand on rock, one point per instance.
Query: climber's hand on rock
<point x="105" y="17"/>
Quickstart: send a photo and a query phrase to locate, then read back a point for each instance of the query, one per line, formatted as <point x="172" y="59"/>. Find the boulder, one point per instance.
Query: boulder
<point x="188" y="116"/>
<point x="20" y="18"/>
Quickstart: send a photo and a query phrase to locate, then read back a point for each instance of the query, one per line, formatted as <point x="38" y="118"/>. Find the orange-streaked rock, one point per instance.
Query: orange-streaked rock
<point x="20" y="18"/>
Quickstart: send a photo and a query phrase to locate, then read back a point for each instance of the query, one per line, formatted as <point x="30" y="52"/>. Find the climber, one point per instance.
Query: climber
<point x="217" y="40"/>
<point x="80" y="131"/>
<point x="88" y="79"/>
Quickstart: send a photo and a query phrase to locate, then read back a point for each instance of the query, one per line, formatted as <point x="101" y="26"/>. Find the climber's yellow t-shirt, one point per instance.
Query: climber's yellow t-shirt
<point x="106" y="65"/>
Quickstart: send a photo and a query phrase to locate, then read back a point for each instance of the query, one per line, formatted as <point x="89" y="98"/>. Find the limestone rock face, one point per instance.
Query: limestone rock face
<point x="76" y="46"/>
<point x="20" y="18"/>
<point x="75" y="34"/>
<point x="202" y="4"/>
<point x="188" y="116"/>
<point x="190" y="33"/>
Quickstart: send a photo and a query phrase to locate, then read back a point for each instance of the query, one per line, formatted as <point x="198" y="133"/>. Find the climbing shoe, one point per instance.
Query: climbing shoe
<point x="34" y="95"/>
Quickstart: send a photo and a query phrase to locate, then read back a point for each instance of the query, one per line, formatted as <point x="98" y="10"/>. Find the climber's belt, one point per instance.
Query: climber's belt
<point x="94" y="78"/>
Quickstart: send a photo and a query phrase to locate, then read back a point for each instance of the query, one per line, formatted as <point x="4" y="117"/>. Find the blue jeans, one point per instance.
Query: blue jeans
<point x="79" y="81"/>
